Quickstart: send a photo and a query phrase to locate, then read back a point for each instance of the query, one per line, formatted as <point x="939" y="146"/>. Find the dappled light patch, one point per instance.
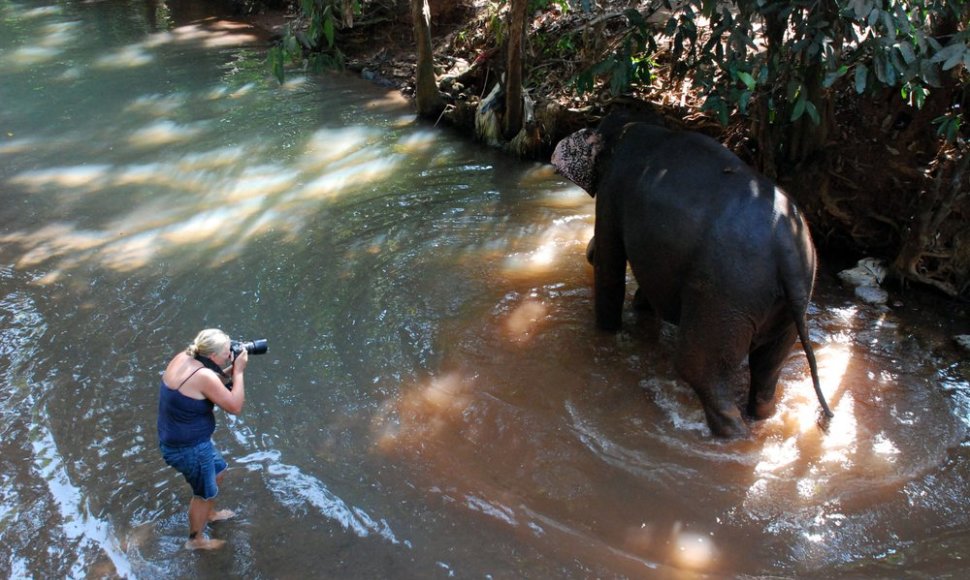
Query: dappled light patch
<point x="224" y="92"/>
<point x="693" y="551"/>
<point x="10" y="143"/>
<point x="540" y="173"/>
<point x="417" y="142"/>
<point x="129" y="253"/>
<point x="562" y="239"/>
<point x="227" y="212"/>
<point x="801" y="412"/>
<point x="294" y="83"/>
<point x="354" y="176"/>
<point x="525" y="320"/>
<point x="70" y="75"/>
<point x="204" y="227"/>
<point x="793" y="436"/>
<point x="33" y="55"/>
<point x="810" y="480"/>
<point x="125" y="57"/>
<point x="423" y="412"/>
<point x="570" y="197"/>
<point x="47" y="46"/>
<point x="242" y="91"/>
<point x="260" y="182"/>
<point x="221" y="157"/>
<point x="145" y="174"/>
<point x="41" y="12"/>
<point x="327" y="146"/>
<point x="392" y="101"/>
<point x="216" y="33"/>
<point x="166" y="176"/>
<point x="157" y="104"/>
<point x="165" y="133"/>
<point x="81" y="177"/>
<point x="52" y="240"/>
<point x="220" y="208"/>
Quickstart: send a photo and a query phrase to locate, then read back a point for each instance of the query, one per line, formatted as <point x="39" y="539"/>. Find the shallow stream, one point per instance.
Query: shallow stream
<point x="435" y="401"/>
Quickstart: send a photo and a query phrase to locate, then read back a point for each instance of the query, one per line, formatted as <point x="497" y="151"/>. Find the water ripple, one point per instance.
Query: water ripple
<point x="294" y="489"/>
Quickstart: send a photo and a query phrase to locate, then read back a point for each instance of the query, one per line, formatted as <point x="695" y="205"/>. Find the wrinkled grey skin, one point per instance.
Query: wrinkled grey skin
<point x="715" y="247"/>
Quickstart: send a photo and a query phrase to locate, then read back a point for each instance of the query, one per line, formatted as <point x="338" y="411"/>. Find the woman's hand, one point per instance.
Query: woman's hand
<point x="230" y="401"/>
<point x="239" y="365"/>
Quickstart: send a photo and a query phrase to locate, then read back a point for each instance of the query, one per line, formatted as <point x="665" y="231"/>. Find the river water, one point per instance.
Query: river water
<point x="435" y="401"/>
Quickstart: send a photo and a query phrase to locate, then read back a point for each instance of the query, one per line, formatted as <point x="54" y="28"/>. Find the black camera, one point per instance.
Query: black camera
<point x="258" y="346"/>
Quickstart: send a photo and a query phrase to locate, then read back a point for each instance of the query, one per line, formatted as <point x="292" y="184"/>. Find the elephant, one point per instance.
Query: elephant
<point x="715" y="247"/>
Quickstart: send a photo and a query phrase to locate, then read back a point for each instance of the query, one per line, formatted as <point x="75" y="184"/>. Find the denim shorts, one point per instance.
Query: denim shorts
<point x="200" y="464"/>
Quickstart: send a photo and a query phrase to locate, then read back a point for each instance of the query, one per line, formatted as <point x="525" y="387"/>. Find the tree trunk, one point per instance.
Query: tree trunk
<point x="931" y="253"/>
<point x="513" y="77"/>
<point x="766" y="124"/>
<point x="805" y="138"/>
<point x="428" y="99"/>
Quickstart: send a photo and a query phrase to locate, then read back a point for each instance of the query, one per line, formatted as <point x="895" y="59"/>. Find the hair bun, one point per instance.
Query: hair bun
<point x="208" y="342"/>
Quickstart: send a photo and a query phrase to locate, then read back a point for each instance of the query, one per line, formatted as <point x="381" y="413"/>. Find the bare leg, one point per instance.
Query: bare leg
<point x="199" y="513"/>
<point x="218" y="516"/>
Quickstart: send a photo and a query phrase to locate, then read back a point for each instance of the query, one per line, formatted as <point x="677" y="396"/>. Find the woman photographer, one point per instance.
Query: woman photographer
<point x="193" y="383"/>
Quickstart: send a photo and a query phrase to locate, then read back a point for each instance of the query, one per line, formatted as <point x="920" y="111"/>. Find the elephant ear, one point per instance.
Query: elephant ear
<point x="575" y="158"/>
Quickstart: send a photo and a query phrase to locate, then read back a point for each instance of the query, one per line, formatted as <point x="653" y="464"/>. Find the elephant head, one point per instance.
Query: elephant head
<point x="577" y="155"/>
<point x="575" y="158"/>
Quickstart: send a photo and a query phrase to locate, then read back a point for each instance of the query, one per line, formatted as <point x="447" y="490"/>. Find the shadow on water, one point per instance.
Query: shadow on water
<point x="435" y="400"/>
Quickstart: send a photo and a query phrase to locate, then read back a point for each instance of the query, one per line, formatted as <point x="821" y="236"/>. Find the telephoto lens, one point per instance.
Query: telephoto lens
<point x="257" y="346"/>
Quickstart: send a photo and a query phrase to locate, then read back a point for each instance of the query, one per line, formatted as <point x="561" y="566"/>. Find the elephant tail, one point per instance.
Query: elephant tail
<point x="797" y="270"/>
<point x="810" y="355"/>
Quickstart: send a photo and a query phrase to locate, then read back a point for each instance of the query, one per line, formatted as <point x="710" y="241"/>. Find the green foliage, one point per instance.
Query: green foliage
<point x="554" y="47"/>
<point x="286" y="52"/>
<point x="540" y="5"/>
<point x="812" y="45"/>
<point x="324" y="18"/>
<point x="496" y="21"/>
<point x="631" y="64"/>
<point x="948" y="126"/>
<point x="782" y="54"/>
<point x="897" y="46"/>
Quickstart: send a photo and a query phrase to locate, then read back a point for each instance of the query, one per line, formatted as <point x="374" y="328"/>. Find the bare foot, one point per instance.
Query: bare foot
<point x="204" y="543"/>
<point x="221" y="515"/>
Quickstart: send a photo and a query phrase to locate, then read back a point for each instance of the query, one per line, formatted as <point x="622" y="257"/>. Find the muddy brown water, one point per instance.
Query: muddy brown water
<point x="435" y="401"/>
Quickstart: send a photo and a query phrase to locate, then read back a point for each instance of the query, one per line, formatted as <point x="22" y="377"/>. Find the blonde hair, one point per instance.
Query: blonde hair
<point x="208" y="342"/>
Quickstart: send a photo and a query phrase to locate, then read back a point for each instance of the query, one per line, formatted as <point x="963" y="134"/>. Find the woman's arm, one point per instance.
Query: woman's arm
<point x="229" y="401"/>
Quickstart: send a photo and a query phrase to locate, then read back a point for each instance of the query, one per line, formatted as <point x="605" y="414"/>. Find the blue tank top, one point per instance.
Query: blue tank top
<point x="182" y="420"/>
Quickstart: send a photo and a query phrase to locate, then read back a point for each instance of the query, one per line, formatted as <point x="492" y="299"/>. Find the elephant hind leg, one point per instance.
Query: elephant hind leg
<point x="765" y="363"/>
<point x="723" y="416"/>
<point x="709" y="352"/>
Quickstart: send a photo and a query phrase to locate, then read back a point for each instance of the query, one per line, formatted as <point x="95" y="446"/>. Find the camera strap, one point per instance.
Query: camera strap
<point x="207" y="363"/>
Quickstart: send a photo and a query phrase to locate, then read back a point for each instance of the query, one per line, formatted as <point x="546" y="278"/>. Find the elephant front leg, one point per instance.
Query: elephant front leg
<point x="609" y="273"/>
